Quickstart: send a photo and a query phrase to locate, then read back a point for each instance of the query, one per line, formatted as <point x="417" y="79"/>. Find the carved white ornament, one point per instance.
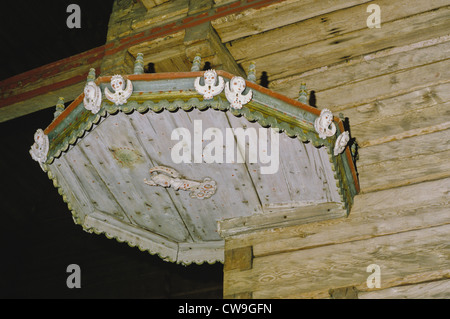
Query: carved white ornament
<point x="92" y="97"/>
<point x="341" y="143"/>
<point x="324" y="124"/>
<point x="167" y="177"/>
<point x="121" y="94"/>
<point x="210" y="89"/>
<point x="233" y="92"/>
<point x="40" y="147"/>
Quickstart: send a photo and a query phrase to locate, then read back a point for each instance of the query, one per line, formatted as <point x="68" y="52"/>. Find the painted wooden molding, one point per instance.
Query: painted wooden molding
<point x="121" y="94"/>
<point x="92" y="97"/>
<point x="233" y="92"/>
<point x="210" y="89"/>
<point x="341" y="143"/>
<point x="39" y="149"/>
<point x="167" y="177"/>
<point x="324" y="124"/>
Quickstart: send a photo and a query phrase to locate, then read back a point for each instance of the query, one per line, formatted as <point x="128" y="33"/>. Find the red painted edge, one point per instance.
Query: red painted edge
<point x="42" y="90"/>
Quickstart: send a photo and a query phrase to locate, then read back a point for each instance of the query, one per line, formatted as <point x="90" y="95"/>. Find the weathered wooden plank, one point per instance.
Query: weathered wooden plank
<point x="159" y="49"/>
<point x="161" y="14"/>
<point x="408" y="170"/>
<point x="385" y="86"/>
<point x="239" y="258"/>
<point x="119" y="159"/>
<point x="200" y="215"/>
<point x="399" y="255"/>
<point x="36" y="101"/>
<point x="430" y="290"/>
<point x="150" y="4"/>
<point x="401" y="32"/>
<point x="407" y="147"/>
<point x="284" y="189"/>
<point x="41" y="87"/>
<point x="390" y="126"/>
<point x="371" y="65"/>
<point x="91" y="183"/>
<point x="326" y="26"/>
<point x="281" y="218"/>
<point x="397" y="204"/>
<point x="398" y="105"/>
<point x="71" y="188"/>
<point x="357" y="226"/>
<point x="276" y="15"/>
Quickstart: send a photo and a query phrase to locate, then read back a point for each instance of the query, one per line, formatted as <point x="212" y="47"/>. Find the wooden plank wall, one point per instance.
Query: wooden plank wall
<point x="393" y="85"/>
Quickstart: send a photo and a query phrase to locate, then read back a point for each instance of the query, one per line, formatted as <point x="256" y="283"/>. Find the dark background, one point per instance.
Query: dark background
<point x="38" y="238"/>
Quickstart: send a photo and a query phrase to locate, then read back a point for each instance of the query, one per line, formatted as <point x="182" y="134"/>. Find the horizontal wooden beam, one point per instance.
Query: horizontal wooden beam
<point x="39" y="88"/>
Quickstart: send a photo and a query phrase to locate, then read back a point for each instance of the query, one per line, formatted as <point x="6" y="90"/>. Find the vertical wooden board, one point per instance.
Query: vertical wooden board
<point x="285" y="188"/>
<point x="330" y="182"/>
<point x="71" y="187"/>
<point x="125" y="180"/>
<point x="271" y="188"/>
<point x="201" y="215"/>
<point x="92" y="183"/>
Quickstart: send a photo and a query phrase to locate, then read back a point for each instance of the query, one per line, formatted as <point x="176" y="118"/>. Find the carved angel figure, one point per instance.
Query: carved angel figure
<point x="121" y="94"/>
<point x="341" y="143"/>
<point x="92" y="97"/>
<point x="324" y="124"/>
<point x="233" y="92"/>
<point x="40" y="147"/>
<point x="210" y="89"/>
<point x="167" y="177"/>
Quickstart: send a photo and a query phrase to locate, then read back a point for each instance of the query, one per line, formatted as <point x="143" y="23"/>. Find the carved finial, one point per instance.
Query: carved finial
<point x="303" y="94"/>
<point x="59" y="107"/>
<point x="252" y="72"/>
<point x="196" y="63"/>
<point x="139" y="64"/>
<point x="91" y="75"/>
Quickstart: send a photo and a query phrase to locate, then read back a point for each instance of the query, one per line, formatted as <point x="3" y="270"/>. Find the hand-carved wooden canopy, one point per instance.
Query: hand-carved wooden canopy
<point x="110" y="155"/>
